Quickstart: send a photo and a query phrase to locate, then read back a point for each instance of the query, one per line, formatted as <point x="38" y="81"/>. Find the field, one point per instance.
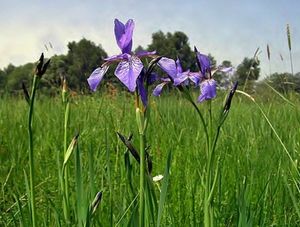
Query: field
<point x="257" y="182"/>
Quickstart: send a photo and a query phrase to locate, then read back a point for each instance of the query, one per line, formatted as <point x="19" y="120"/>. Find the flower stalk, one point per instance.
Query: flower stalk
<point x="65" y="173"/>
<point x="140" y="124"/>
<point x="39" y="72"/>
<point x="31" y="153"/>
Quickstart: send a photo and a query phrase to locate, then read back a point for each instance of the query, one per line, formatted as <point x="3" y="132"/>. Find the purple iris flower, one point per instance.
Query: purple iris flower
<point x="130" y="66"/>
<point x="208" y="86"/>
<point x="176" y="75"/>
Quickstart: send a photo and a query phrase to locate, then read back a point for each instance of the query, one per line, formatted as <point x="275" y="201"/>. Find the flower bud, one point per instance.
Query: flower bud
<point x="41" y="66"/>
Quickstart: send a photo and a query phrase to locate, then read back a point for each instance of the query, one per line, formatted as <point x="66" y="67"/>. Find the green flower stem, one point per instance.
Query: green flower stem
<point x="208" y="213"/>
<point x="141" y="123"/>
<point x="190" y="99"/>
<point x="31" y="153"/>
<point x="142" y="179"/>
<point x="65" y="180"/>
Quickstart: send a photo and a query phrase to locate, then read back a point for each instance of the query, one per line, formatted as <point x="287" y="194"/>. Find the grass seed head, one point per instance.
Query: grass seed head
<point x="288" y="32"/>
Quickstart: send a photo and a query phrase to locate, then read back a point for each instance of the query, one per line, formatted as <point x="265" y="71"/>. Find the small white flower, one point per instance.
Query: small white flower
<point x="158" y="178"/>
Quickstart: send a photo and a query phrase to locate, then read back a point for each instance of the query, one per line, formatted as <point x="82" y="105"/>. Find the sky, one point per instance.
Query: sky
<point x="229" y="30"/>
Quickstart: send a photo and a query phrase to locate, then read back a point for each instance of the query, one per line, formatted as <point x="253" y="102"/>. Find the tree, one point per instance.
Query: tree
<point x="51" y="81"/>
<point x="17" y="75"/>
<point x="82" y="58"/>
<point x="284" y="82"/>
<point x="2" y="79"/>
<point x="173" y="46"/>
<point x="248" y="71"/>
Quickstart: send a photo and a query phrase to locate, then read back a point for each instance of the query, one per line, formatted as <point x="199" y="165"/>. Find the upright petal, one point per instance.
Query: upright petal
<point x="123" y="35"/>
<point x="203" y="62"/>
<point x="178" y="66"/>
<point x="96" y="77"/>
<point x="128" y="72"/>
<point x="169" y="66"/>
<point x="208" y="90"/>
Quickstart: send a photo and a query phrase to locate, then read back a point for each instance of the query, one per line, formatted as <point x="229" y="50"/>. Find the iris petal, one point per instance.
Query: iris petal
<point x="169" y="66"/>
<point x="195" y="77"/>
<point x="128" y="72"/>
<point x="180" y="79"/>
<point x="124" y="34"/>
<point x="96" y="77"/>
<point x="142" y="90"/>
<point x="158" y="89"/>
<point x="145" y="53"/>
<point x="178" y="66"/>
<point x="203" y="62"/>
<point x="208" y="90"/>
<point x="118" y="57"/>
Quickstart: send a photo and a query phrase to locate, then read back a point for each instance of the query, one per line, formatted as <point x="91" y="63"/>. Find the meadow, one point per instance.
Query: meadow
<point x="257" y="182"/>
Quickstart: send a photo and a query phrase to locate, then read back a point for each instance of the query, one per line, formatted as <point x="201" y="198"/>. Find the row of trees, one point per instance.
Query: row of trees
<point x="84" y="56"/>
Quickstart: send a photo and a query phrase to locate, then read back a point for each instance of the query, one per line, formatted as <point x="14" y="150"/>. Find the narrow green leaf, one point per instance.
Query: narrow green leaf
<point x="163" y="193"/>
<point x="70" y="149"/>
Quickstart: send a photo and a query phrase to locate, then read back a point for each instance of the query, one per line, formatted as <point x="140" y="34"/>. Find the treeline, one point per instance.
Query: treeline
<point x="84" y="56"/>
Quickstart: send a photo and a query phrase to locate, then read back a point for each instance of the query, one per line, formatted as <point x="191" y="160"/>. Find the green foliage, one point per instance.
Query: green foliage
<point x="245" y="149"/>
<point x="248" y="71"/>
<point x="82" y="58"/>
<point x="17" y="75"/>
<point x="173" y="46"/>
<point x="2" y="79"/>
<point x="284" y="82"/>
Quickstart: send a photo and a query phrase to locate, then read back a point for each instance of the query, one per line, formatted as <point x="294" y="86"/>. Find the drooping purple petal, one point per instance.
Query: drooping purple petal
<point x="181" y="78"/>
<point x="169" y="66"/>
<point x="128" y="72"/>
<point x="96" y="77"/>
<point x="208" y="90"/>
<point x="118" y="57"/>
<point x="142" y="90"/>
<point x="226" y="69"/>
<point x="144" y="53"/>
<point x="195" y="77"/>
<point x="123" y="35"/>
<point x="157" y="90"/>
<point x="203" y="62"/>
<point x="229" y="71"/>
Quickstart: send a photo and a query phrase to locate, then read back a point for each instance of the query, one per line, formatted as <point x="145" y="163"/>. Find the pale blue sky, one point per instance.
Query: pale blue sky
<point x="227" y="29"/>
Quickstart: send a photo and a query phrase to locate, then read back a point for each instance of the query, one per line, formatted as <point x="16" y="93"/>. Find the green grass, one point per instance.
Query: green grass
<point x="256" y="184"/>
